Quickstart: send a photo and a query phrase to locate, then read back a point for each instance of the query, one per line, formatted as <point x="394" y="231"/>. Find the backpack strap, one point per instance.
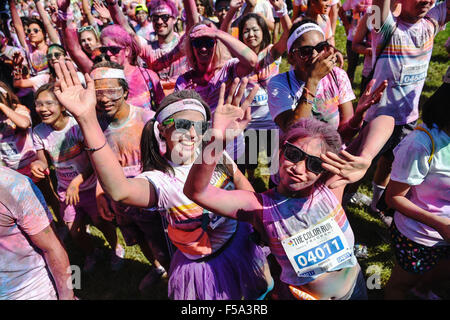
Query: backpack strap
<point x="432" y="141"/>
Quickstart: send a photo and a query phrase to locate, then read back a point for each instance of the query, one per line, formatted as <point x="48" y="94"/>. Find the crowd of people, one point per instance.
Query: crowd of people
<point x="153" y="118"/>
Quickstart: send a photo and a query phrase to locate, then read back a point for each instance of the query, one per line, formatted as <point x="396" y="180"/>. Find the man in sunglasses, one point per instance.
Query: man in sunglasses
<point x="122" y="125"/>
<point x="163" y="55"/>
<point x="316" y="86"/>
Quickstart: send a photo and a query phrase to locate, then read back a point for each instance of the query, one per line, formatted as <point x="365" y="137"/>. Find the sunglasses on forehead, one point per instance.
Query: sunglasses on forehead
<point x="87" y="28"/>
<point x="307" y="51"/>
<point x="203" y="42"/>
<point x="295" y="154"/>
<point x="113" y="49"/>
<point x="184" y="124"/>
<point x="164" y="17"/>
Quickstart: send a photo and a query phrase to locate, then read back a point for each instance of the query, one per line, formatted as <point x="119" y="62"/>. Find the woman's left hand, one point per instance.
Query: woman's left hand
<point x="203" y="30"/>
<point x="368" y="98"/>
<point x="231" y="116"/>
<point x="348" y="167"/>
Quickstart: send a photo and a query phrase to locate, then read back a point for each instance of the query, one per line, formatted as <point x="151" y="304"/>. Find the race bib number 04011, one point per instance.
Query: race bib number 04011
<point x="317" y="249"/>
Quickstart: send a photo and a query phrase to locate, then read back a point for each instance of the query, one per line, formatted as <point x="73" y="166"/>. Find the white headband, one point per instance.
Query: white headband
<point x="107" y="73"/>
<point x="185" y="104"/>
<point x="301" y="30"/>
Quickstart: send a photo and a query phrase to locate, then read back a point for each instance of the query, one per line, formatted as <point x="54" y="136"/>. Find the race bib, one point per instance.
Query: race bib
<point x="412" y="74"/>
<point x="317" y="249"/>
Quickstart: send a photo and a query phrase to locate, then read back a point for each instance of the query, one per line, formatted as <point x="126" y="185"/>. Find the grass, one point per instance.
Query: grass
<point x="368" y="229"/>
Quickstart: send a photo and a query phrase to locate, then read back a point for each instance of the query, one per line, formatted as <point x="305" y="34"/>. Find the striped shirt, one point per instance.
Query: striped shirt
<point x="404" y="63"/>
<point x="285" y="217"/>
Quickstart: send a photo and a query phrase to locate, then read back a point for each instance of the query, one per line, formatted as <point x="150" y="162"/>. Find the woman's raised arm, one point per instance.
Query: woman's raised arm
<point x="80" y="102"/>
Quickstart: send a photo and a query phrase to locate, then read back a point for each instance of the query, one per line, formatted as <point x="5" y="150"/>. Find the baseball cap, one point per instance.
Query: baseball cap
<point x="140" y="7"/>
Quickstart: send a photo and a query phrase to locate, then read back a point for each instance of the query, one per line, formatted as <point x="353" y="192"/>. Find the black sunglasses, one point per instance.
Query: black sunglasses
<point x="307" y="51"/>
<point x="203" y="42"/>
<point x="164" y="17"/>
<point x="113" y="49"/>
<point x="226" y="8"/>
<point x="54" y="54"/>
<point x="35" y="30"/>
<point x="184" y="124"/>
<point x="295" y="154"/>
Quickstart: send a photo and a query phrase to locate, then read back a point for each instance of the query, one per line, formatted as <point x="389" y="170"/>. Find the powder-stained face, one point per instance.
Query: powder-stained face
<point x="163" y="21"/>
<point x="88" y="41"/>
<point x="295" y="177"/>
<point x="48" y="108"/>
<point x="181" y="144"/>
<point x="34" y="33"/>
<point x="110" y="96"/>
<point x="121" y="57"/>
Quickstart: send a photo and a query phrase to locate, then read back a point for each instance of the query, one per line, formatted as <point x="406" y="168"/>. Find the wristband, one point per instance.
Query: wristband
<point x="308" y="92"/>
<point x="96" y="149"/>
<point x="307" y="100"/>
<point x="282" y="12"/>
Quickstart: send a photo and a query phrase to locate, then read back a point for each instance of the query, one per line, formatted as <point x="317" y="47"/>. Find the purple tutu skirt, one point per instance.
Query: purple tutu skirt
<point x="239" y="271"/>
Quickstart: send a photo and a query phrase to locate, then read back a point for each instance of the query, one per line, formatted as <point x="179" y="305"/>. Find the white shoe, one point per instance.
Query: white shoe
<point x="117" y="258"/>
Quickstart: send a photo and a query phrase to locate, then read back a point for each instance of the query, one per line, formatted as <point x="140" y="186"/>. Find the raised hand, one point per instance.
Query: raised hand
<point x="80" y="102"/>
<point x="322" y="64"/>
<point x="231" y="116"/>
<point x="203" y="30"/>
<point x="368" y="98"/>
<point x="277" y="4"/>
<point x="102" y="10"/>
<point x="348" y="167"/>
<point x="236" y="4"/>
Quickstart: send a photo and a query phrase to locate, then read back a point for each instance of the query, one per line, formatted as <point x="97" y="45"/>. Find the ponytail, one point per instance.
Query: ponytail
<point x="151" y="157"/>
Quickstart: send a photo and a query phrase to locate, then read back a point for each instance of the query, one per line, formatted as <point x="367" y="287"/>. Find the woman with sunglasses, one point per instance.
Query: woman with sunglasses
<point x="209" y="52"/>
<point x="315" y="87"/>
<point x="215" y="257"/>
<point x="254" y="32"/>
<point x="55" y="51"/>
<point x="164" y="54"/>
<point x="301" y="220"/>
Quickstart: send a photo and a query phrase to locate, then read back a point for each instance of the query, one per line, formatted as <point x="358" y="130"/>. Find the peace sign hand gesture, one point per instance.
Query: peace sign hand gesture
<point x="80" y="102"/>
<point x="231" y="116"/>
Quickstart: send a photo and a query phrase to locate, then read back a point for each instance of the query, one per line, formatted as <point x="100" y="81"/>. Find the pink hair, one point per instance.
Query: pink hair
<point x="313" y="128"/>
<point x="157" y="3"/>
<point x="123" y="38"/>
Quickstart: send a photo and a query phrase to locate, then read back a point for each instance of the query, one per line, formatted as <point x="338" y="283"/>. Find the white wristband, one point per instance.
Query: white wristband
<point x="283" y="11"/>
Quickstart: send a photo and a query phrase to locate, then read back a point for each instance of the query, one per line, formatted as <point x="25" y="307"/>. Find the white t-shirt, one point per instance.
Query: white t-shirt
<point x="404" y="63"/>
<point x="16" y="146"/>
<point x="430" y="183"/>
<point x="332" y="91"/>
<point x="66" y="150"/>
<point x="23" y="271"/>
<point x="43" y="78"/>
